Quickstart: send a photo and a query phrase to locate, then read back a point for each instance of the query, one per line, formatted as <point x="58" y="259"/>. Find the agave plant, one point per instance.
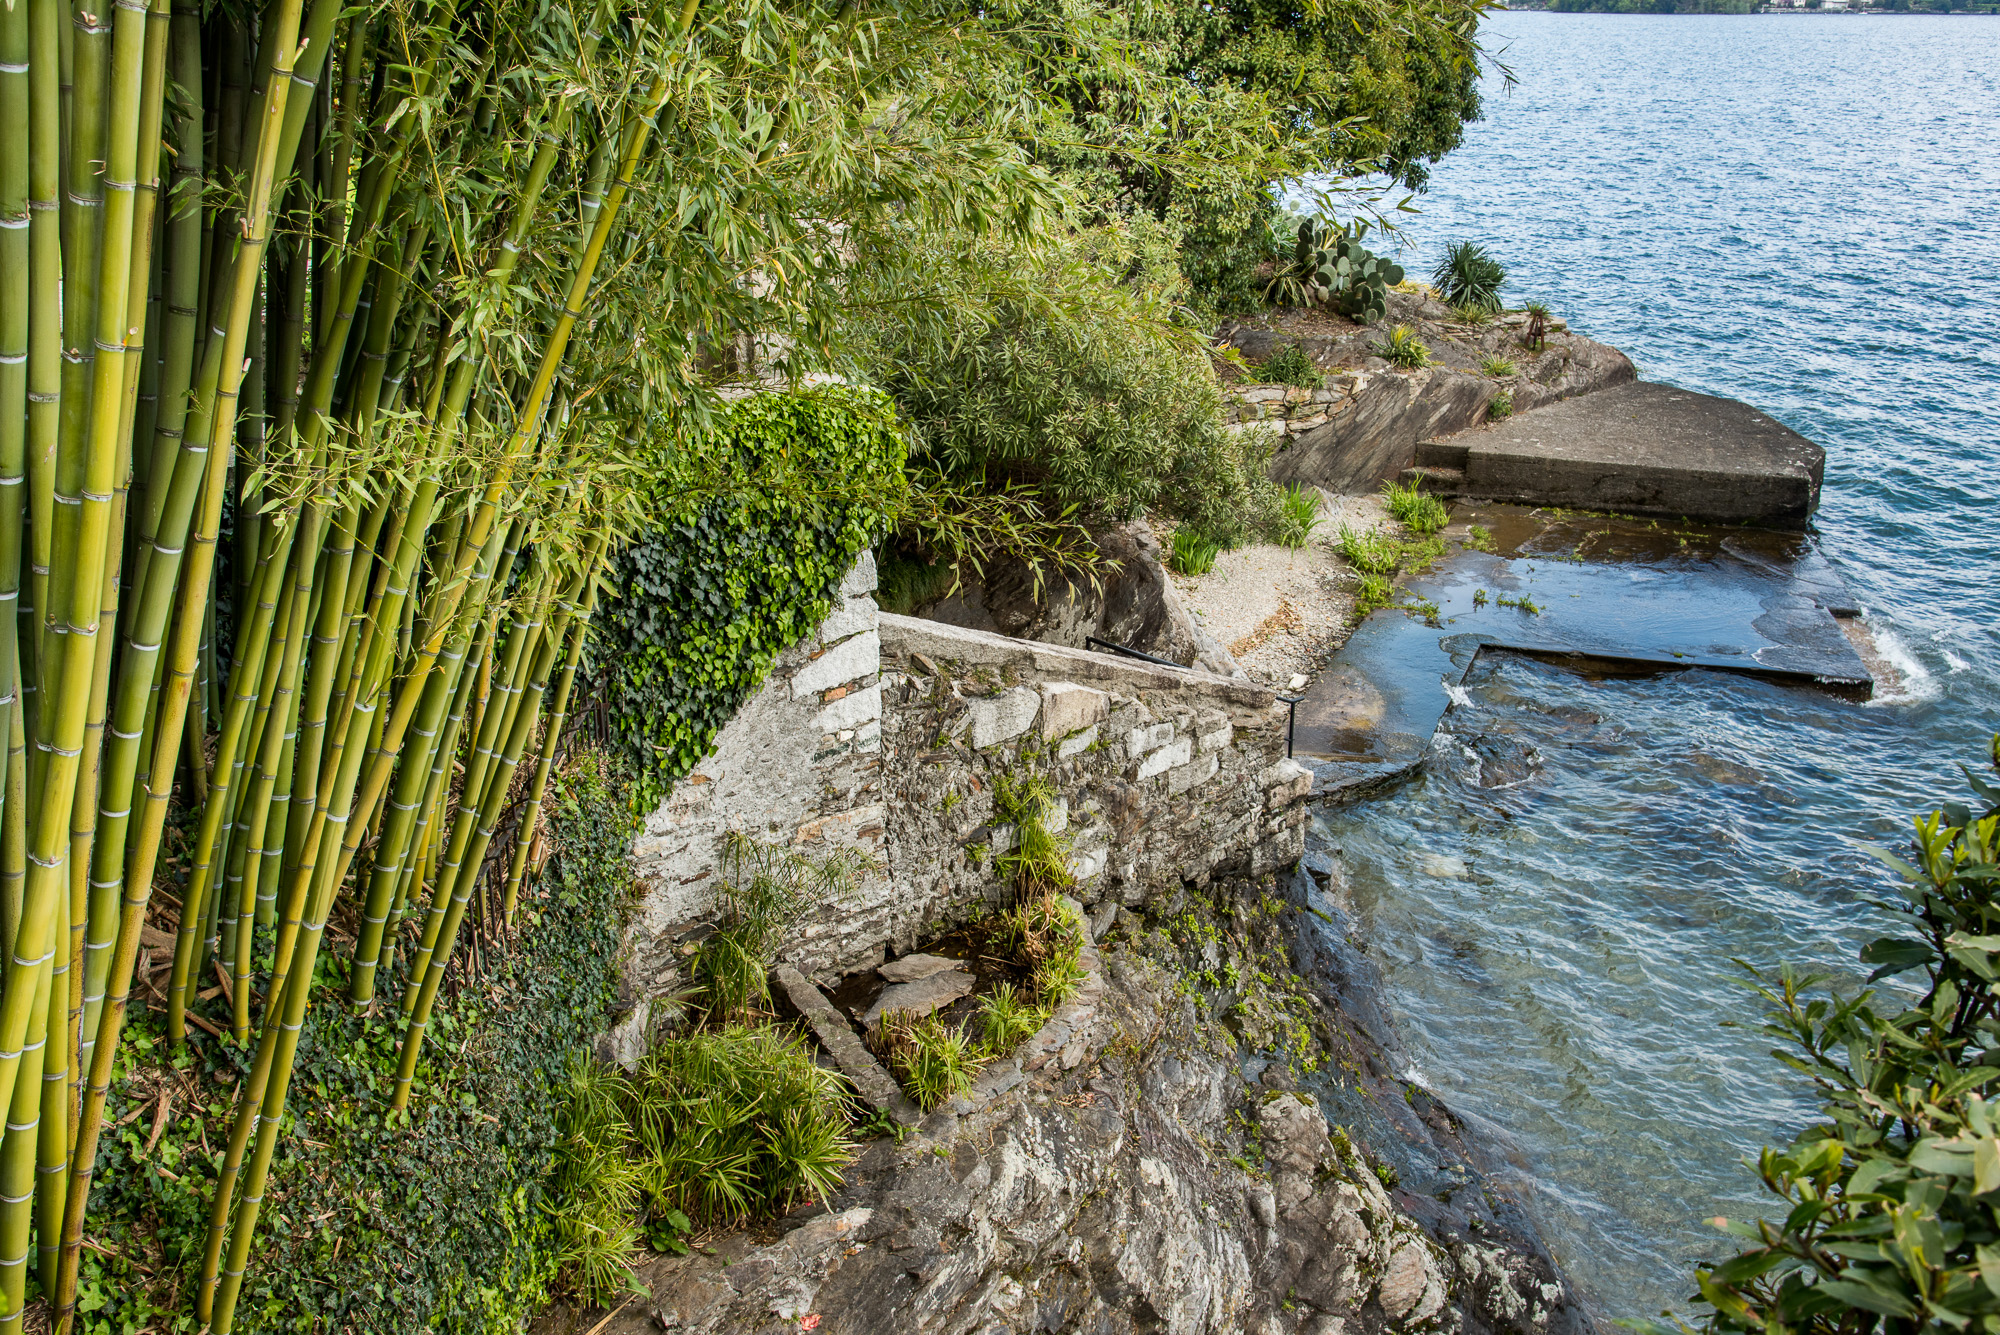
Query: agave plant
<point x="1468" y="277"/>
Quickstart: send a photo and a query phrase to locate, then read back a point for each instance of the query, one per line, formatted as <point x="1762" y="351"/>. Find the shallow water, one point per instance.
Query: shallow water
<point x="1799" y="212"/>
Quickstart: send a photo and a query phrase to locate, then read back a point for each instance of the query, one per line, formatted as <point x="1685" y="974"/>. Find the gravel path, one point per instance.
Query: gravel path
<point x="1280" y="612"/>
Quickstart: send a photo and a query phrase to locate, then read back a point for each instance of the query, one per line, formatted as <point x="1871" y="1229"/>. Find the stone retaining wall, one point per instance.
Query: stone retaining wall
<point x="887" y="735"/>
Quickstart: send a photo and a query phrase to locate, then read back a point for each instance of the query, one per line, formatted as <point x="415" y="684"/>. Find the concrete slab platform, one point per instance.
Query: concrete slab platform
<point x="1645" y="448"/>
<point x="1655" y="599"/>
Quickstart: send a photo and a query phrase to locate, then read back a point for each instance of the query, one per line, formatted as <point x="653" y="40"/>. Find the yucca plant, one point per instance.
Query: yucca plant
<point x="1497" y="367"/>
<point x="1468" y="277"/>
<point x="1298" y="515"/>
<point x="1403" y="349"/>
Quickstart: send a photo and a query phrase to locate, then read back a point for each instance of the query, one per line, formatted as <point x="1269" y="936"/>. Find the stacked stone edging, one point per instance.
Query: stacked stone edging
<point x="862" y="731"/>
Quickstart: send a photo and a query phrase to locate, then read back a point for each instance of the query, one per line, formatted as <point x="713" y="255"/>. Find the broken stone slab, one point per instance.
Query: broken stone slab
<point x="841" y="1043"/>
<point x="921" y="997"/>
<point x="915" y="968"/>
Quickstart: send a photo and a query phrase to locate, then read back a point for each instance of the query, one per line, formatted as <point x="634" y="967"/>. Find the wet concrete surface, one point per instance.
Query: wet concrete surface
<point x="1610" y="595"/>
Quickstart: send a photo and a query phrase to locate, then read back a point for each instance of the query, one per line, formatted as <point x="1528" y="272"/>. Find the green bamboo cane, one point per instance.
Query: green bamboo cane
<point x="469" y="852"/>
<point x="284" y="32"/>
<point x="52" y="1137"/>
<point x="18" y="1162"/>
<point x="45" y="156"/>
<point x="551" y="739"/>
<point x="15" y="279"/>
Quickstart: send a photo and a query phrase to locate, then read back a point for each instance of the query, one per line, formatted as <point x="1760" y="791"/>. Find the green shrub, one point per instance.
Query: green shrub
<point x="934" y="1060"/>
<point x="737" y="1122"/>
<point x="1472" y="315"/>
<point x="1888" y="1217"/>
<point x="1500" y="407"/>
<point x="1497" y="367"/>
<point x="757" y="526"/>
<point x="1301" y="515"/>
<point x="1290" y="365"/>
<point x="762" y="893"/>
<point x="1369" y="551"/>
<point x="1468" y="276"/>
<point x="1092" y="398"/>
<point x="1192" y="552"/>
<point x="1415" y="508"/>
<point x="1006" y="1019"/>
<point x="1403" y="349"/>
<point x="595" y="1186"/>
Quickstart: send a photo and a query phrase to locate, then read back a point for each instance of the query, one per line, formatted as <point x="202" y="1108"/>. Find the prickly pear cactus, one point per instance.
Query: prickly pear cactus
<point x="1331" y="267"/>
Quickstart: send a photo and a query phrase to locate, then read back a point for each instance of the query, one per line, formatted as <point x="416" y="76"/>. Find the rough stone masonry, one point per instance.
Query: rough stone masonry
<point x="887" y="734"/>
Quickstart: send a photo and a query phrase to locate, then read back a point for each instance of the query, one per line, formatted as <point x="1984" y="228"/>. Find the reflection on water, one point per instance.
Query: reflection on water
<point x="1555" y="903"/>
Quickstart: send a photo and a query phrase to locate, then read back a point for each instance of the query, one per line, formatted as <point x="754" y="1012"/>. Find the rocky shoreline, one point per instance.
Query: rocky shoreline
<point x="1181" y="1168"/>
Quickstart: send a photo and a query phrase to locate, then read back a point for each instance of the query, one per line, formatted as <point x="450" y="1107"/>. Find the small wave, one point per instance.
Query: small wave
<point x="1460" y="698"/>
<point x="1954" y="662"/>
<point x="1916" y="683"/>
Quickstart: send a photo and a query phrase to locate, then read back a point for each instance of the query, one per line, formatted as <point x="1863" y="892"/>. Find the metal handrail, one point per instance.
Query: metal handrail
<point x="1291" y="701"/>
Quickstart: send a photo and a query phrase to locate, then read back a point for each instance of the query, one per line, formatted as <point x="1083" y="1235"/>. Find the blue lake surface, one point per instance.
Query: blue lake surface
<point x="1802" y="212"/>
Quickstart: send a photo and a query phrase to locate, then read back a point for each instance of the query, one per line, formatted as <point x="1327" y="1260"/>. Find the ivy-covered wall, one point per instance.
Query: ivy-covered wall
<point x="736" y="570"/>
<point x="433" y="1222"/>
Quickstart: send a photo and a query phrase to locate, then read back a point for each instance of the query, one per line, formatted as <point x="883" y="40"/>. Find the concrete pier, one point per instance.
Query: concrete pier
<point x="1639" y="448"/>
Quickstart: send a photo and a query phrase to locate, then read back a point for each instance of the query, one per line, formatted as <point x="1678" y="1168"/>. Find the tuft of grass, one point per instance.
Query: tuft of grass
<point x="763" y="892"/>
<point x="1368" y="551"/>
<point x="595" y="1185"/>
<point x="1522" y="604"/>
<point x="1472" y="315"/>
<point x="1497" y="367"/>
<point x="1468" y="275"/>
<point x="1479" y="598"/>
<point x="736" y="1122"/>
<point x="1057" y="978"/>
<point x="1424" y="609"/>
<point x="1290" y="365"/>
<point x="935" y="1060"/>
<point x="1006" y="1018"/>
<point x="1479" y="538"/>
<point x="1500" y="407"/>
<point x="1376" y="591"/>
<point x="1415" y="508"/>
<point x="1298" y="515"/>
<point x="1403" y="349"/>
<point x="1192" y="551"/>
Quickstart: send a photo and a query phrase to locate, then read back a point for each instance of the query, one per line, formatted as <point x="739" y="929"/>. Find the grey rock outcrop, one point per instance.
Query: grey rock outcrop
<point x="1141" y="1183"/>
<point x="1136" y="605"/>
<point x="1364" y="426"/>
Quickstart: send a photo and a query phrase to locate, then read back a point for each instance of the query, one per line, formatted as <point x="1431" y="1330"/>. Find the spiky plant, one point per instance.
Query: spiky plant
<point x="1467" y="276"/>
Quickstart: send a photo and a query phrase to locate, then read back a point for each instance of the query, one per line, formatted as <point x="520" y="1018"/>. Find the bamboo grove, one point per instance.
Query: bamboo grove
<point x="329" y="335"/>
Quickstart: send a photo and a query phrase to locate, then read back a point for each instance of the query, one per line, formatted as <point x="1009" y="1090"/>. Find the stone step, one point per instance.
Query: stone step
<point x="839" y="1041"/>
<point x="1443" y="481"/>
<point x="1442" y="454"/>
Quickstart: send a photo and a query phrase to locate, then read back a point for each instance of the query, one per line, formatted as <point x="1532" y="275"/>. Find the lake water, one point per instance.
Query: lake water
<point x="1802" y="212"/>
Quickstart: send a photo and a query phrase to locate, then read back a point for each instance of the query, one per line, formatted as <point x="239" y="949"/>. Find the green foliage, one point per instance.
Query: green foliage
<point x="1370" y="551"/>
<point x="935" y="1060"/>
<point x="1300" y="515"/>
<point x="1403" y="349"/>
<point x="763" y="892"/>
<point x="1415" y="508"/>
<point x="1479" y="538"/>
<point x="1497" y="367"/>
<point x="905" y="583"/>
<point x="734" y="1123"/>
<point x="1890" y="1217"/>
<point x="1084" y="399"/>
<point x="1500" y="406"/>
<point x="1290" y="365"/>
<point x="1329" y="266"/>
<point x="1472" y="315"/>
<point x="441" y="1221"/>
<point x="1376" y="591"/>
<point x="755" y="527"/>
<point x="1192" y="552"/>
<point x="1006" y="1019"/>
<point x="595" y="1186"/>
<point x="1468" y="276"/>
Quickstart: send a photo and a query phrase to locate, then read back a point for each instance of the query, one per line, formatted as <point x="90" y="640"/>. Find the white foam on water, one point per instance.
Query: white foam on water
<point x="1954" y="662"/>
<point x="1457" y="694"/>
<point x="1915" y="680"/>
